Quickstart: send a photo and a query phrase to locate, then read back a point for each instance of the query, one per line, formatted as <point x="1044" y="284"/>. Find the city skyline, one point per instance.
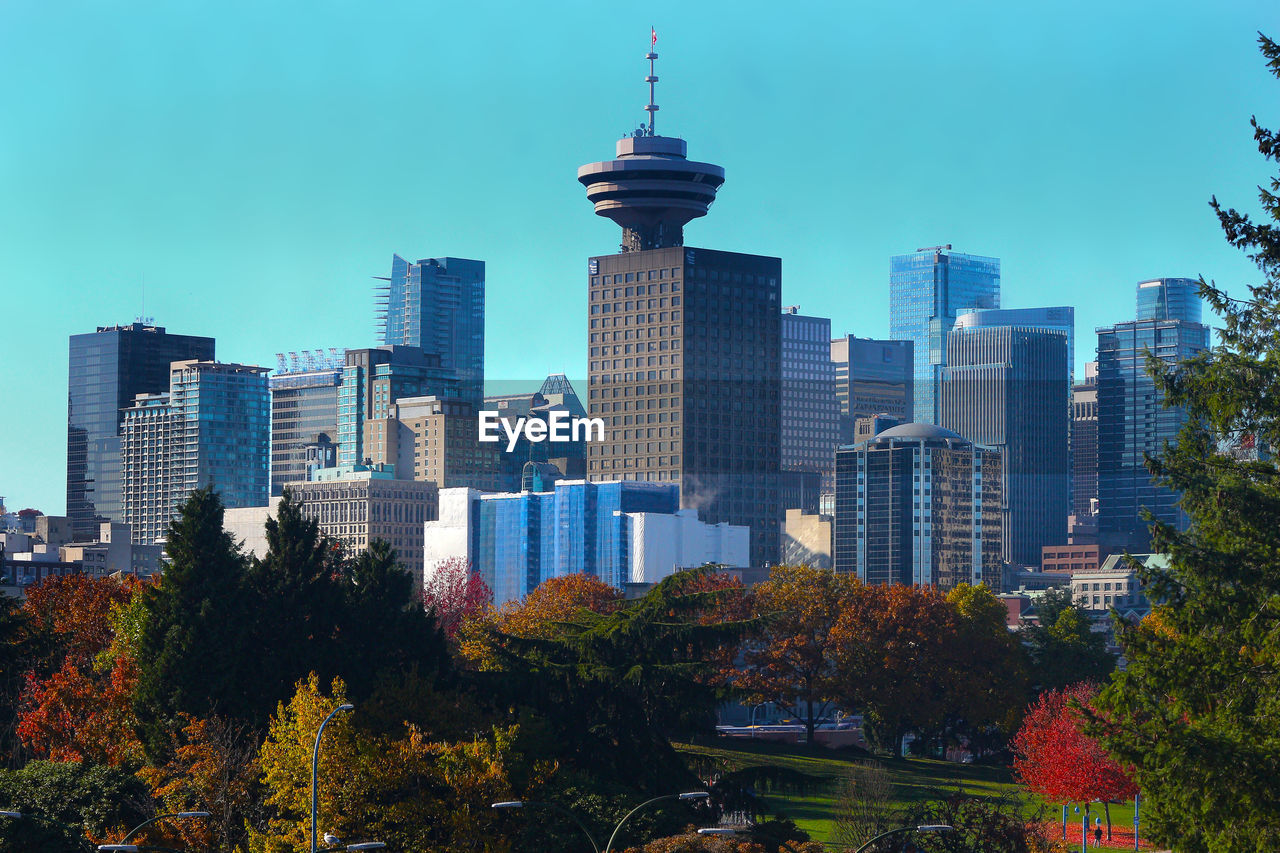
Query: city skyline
<point x="150" y="162"/>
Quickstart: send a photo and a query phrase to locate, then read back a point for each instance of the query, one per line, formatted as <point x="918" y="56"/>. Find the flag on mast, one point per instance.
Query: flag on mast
<point x="653" y="37"/>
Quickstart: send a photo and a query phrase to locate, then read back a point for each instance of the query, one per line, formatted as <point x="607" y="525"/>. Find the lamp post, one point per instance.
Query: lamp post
<point x="157" y="819"/>
<point x="363" y="845"/>
<point x="519" y="804"/>
<point x="688" y="795"/>
<point x="315" y="765"/>
<point x="927" y="827"/>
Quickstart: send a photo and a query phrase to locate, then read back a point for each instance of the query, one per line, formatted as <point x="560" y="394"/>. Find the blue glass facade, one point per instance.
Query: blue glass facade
<point x="521" y="540"/>
<point x="437" y="305"/>
<point x="927" y="291"/>
<point x="1133" y="422"/>
<point x="1169" y="299"/>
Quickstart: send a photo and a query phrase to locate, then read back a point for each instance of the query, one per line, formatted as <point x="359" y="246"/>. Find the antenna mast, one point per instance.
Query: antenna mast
<point x="652" y="108"/>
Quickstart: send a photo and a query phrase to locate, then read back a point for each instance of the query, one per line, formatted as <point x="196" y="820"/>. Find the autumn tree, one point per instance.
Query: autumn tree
<point x="1196" y="711"/>
<point x="893" y="650"/>
<point x="1055" y="758"/>
<point x="455" y="594"/>
<point x="988" y="670"/>
<point x="407" y="790"/>
<point x="1063" y="649"/>
<point x="792" y="659"/>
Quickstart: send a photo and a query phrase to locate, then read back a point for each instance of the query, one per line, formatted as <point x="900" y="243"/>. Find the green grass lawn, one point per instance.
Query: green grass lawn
<point x="914" y="780"/>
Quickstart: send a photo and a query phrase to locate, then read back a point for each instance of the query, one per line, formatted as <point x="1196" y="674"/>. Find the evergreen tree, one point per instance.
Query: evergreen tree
<point x="1197" y="711"/>
<point x="191" y="652"/>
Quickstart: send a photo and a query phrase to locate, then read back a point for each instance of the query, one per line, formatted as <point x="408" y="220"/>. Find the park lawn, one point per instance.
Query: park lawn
<point x="914" y="780"/>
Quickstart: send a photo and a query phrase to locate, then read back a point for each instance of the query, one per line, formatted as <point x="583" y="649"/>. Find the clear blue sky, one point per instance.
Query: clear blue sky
<point x="243" y="168"/>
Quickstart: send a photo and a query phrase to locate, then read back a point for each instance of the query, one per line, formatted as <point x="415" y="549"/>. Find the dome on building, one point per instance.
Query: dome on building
<point x="921" y="432"/>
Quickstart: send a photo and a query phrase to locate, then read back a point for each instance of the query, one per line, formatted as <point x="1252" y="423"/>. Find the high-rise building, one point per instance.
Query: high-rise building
<point x="1061" y="318"/>
<point x="1169" y="299"/>
<point x="555" y="394"/>
<point x="107" y="370"/>
<point x="810" y="410"/>
<point x="919" y="504"/>
<point x="437" y="305"/>
<point x="620" y="532"/>
<point x="684" y="344"/>
<point x="304" y="411"/>
<point x="374" y="379"/>
<point x="873" y="377"/>
<point x="1133" y="422"/>
<point x="1084" y="443"/>
<point x="436" y="440"/>
<point x="1006" y="387"/>
<point x="928" y="289"/>
<point x="212" y="428"/>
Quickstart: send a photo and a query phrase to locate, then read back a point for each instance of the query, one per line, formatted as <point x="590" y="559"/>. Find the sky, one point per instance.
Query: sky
<point x="242" y="169"/>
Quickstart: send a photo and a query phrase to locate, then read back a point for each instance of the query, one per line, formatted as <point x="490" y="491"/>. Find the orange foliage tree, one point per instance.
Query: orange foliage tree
<point x="792" y="660"/>
<point x="82" y="711"/>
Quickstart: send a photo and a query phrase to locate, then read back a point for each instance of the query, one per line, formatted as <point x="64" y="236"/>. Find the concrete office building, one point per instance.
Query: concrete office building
<point x="684" y="344"/>
<point x="374" y="379"/>
<point x="1132" y="420"/>
<point x="434" y="440"/>
<point x="211" y="429"/>
<point x="1006" y="387"/>
<point x="437" y="305"/>
<point x="873" y="377"/>
<point x="919" y="504"/>
<point x="620" y="532"/>
<point x="106" y="371"/>
<point x="1059" y="318"/>
<point x="807" y="539"/>
<point x="928" y="290"/>
<point x="1084" y="443"/>
<point x="304" y="410"/>
<point x="810" y="410"/>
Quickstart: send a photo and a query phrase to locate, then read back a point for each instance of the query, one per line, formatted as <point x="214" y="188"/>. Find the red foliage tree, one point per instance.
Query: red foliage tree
<point x="77" y="609"/>
<point x="455" y="593"/>
<point x="1058" y="761"/>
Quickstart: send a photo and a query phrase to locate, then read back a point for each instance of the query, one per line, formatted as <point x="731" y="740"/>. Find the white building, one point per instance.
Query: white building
<point x="661" y="544"/>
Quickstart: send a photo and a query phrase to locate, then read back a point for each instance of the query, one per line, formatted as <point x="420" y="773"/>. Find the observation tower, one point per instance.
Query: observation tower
<point x="651" y="189"/>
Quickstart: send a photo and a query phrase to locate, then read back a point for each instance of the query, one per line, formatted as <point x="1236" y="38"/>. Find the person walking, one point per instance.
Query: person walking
<point x="1097" y="832"/>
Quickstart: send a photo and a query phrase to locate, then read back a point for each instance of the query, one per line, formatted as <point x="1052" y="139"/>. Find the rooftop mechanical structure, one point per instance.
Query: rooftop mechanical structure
<point x="651" y="189"/>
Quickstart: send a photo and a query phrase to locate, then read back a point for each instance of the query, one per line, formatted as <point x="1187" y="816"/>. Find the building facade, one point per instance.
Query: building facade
<point x="304" y="411"/>
<point x="1006" y="387"/>
<point x="106" y="371"/>
<point x="807" y="539"/>
<point x="928" y="289"/>
<point x="437" y="305"/>
<point x="1169" y="299"/>
<point x="873" y="377"/>
<point x="921" y="505"/>
<point x="1084" y="443"/>
<point x="810" y="410"/>
<point x="1133" y="422"/>
<point x="434" y="440"/>
<point x="211" y="429"/>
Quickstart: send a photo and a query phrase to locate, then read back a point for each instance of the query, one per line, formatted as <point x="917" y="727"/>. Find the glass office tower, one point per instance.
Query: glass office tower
<point x="107" y="369"/>
<point x="437" y="305"/>
<point x="1132" y="420"/>
<point x="810" y="410"/>
<point x="928" y="289"/>
<point x="1169" y="299"/>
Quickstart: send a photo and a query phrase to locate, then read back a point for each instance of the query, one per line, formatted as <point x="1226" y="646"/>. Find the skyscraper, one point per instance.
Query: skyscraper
<point x="810" y="411"/>
<point x="928" y="289"/>
<point x="437" y="305"/>
<point x="684" y="344"/>
<point x="1084" y="443"/>
<point x="304" y="407"/>
<point x="919" y="504"/>
<point x="1006" y="387"/>
<point x="873" y="377"/>
<point x="107" y="370"/>
<point x="212" y="428"/>
<point x="1132" y="420"/>
<point x="1169" y="299"/>
<point x="1060" y="318"/>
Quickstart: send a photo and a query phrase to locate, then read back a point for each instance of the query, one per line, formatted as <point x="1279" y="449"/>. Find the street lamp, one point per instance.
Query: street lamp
<point x="315" y="764"/>
<point x="926" y="827"/>
<point x="157" y="818"/>
<point x="688" y="795"/>
<point x="519" y="804"/>
<point x="363" y="845"/>
<point x="718" y="830"/>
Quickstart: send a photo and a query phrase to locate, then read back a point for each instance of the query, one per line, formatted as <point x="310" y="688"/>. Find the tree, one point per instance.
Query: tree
<point x="866" y="805"/>
<point x="102" y="801"/>
<point x="981" y="824"/>
<point x="406" y="790"/>
<point x="1057" y="760"/>
<point x="791" y="660"/>
<point x="894" y="650"/>
<point x="192" y="651"/>
<point x="1197" y="710"/>
<point x="1066" y="650"/>
<point x="989" y="668"/>
<point x="456" y="594"/>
